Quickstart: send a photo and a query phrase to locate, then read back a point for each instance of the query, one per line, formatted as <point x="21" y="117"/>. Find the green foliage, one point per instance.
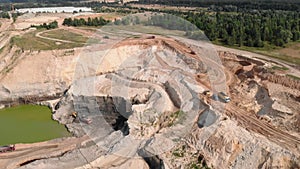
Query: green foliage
<point x="177" y="114"/>
<point x="293" y="77"/>
<point x="51" y="25"/>
<point x="252" y="29"/>
<point x="179" y="152"/>
<point x="116" y="9"/>
<point x="280" y="68"/>
<point x="37" y="43"/>
<point x="231" y="5"/>
<point x="15" y="16"/>
<point x="170" y="22"/>
<point x="128" y="20"/>
<point x="82" y="22"/>
<point x="1" y="49"/>
<point x="66" y="35"/>
<point x="4" y="15"/>
<point x="176" y="117"/>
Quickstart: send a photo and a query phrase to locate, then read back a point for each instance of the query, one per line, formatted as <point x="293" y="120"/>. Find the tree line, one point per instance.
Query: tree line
<point x="231" y="5"/>
<point x="253" y="29"/>
<point x="171" y="22"/>
<point x="97" y="21"/>
<point x="51" y="25"/>
<point x="6" y="15"/>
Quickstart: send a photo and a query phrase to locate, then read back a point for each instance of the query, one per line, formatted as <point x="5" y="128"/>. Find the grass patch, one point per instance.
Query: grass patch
<point x="142" y="29"/>
<point x="89" y="28"/>
<point x="177" y="114"/>
<point x="293" y="77"/>
<point x="176" y="117"/>
<point x="30" y="42"/>
<point x="269" y="50"/>
<point x="65" y="35"/>
<point x="28" y="124"/>
<point x="280" y="68"/>
<point x="179" y="152"/>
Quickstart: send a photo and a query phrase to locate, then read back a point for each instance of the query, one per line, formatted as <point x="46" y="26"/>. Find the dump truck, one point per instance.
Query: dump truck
<point x="224" y="97"/>
<point x="8" y="148"/>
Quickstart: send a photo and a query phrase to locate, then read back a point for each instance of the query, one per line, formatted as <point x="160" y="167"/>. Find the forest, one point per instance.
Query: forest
<point x="231" y="5"/>
<point x="249" y="29"/>
<point x="253" y="29"/>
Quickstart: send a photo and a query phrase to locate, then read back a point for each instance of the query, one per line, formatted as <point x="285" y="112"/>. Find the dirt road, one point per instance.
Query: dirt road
<point x="253" y="124"/>
<point x="35" y="151"/>
<point x="5" y="34"/>
<point x="39" y="35"/>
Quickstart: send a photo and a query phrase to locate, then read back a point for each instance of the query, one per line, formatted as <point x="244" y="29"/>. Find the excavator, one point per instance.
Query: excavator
<point x="77" y="119"/>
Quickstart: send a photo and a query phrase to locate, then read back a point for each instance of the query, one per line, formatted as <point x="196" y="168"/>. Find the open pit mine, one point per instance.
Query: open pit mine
<point x="149" y="101"/>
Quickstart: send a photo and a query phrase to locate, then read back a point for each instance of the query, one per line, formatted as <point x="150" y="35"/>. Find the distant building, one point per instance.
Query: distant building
<point x="54" y="10"/>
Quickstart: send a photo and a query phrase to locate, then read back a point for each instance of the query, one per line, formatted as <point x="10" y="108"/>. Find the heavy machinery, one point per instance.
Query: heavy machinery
<point x="78" y="119"/>
<point x="206" y="95"/>
<point x="224" y="97"/>
<point x="8" y="148"/>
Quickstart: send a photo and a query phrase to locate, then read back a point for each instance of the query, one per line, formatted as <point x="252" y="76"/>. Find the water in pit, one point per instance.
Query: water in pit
<point x="28" y="124"/>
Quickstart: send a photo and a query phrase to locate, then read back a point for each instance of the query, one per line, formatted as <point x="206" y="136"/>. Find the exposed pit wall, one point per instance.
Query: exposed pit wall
<point x="149" y="95"/>
<point x="157" y="77"/>
<point x="36" y="74"/>
<point x="137" y="74"/>
<point x="229" y="146"/>
<point x="41" y="100"/>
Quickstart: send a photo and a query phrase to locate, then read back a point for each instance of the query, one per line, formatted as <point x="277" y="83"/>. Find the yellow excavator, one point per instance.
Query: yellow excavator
<point x="77" y="119"/>
<point x="75" y="116"/>
<point x="206" y="96"/>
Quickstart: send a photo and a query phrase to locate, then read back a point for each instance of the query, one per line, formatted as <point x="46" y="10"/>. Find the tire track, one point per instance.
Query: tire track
<point x="251" y="123"/>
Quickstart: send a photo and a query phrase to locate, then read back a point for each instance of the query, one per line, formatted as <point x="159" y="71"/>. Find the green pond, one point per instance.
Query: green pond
<point x="29" y="124"/>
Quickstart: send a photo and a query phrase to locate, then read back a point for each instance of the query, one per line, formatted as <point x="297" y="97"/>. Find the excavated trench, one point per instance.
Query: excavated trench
<point x="249" y="60"/>
<point x="262" y="97"/>
<point x="244" y="63"/>
<point x="115" y="110"/>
